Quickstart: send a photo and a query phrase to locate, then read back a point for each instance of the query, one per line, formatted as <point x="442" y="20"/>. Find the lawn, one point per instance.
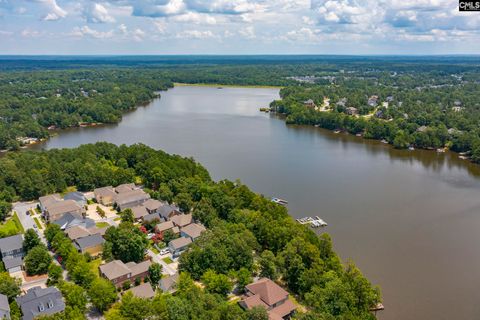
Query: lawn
<point x="94" y="264"/>
<point x="102" y="225"/>
<point x="11" y="227"/>
<point x="37" y="222"/>
<point x="117" y="219"/>
<point x="167" y="260"/>
<point x="155" y="250"/>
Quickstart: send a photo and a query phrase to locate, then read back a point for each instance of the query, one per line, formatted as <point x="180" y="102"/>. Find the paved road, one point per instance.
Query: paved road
<point x="25" y="219"/>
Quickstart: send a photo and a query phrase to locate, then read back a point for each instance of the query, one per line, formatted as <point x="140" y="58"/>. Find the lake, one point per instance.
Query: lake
<point x="410" y="220"/>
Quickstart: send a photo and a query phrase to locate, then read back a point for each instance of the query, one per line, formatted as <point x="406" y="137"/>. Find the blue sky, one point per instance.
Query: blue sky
<point x="237" y="27"/>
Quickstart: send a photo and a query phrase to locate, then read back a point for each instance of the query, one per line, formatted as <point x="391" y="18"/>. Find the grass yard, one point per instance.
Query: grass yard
<point x="155" y="250"/>
<point x="11" y="227"/>
<point x="102" y="225"/>
<point x="167" y="260"/>
<point x="37" y="222"/>
<point x="94" y="264"/>
<point x="117" y="219"/>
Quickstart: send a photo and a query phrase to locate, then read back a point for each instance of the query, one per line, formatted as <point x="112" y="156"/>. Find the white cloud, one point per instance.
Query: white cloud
<point x="55" y="12"/>
<point x="195" y="18"/>
<point x="86" y="31"/>
<point x="29" y="33"/>
<point x="157" y="8"/>
<point x="248" y="32"/>
<point x="195" y="34"/>
<point x="160" y="26"/>
<point x="97" y="13"/>
<point x="5" y="33"/>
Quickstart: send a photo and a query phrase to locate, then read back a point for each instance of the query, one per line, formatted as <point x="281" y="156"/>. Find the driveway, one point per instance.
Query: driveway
<point x="21" y="208"/>
<point x="169" y="269"/>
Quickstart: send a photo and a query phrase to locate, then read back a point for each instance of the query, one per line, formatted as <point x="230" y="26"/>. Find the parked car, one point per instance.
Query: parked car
<point x="150" y="235"/>
<point x="164" y="251"/>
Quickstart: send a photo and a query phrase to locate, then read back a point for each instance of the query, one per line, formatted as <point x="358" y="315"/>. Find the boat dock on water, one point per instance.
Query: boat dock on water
<point x="280" y="201"/>
<point x="314" y="222"/>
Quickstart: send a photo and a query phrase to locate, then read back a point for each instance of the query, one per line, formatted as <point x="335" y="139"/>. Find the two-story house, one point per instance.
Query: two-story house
<point x="118" y="272"/>
<point x="11" y="249"/>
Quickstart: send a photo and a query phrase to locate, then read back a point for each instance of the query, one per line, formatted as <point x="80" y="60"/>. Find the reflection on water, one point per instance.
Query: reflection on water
<point x="410" y="220"/>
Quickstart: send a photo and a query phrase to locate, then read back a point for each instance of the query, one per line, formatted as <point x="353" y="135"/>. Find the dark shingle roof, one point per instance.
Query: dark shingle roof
<point x="36" y="297"/>
<point x="69" y="220"/>
<point x="12" y="262"/>
<point x="4" y="303"/>
<point x="75" y="196"/>
<point x="89" y="241"/>
<point x="11" y="243"/>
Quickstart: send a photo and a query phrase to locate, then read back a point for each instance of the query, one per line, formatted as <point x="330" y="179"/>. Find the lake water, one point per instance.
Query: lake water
<point x="410" y="220"/>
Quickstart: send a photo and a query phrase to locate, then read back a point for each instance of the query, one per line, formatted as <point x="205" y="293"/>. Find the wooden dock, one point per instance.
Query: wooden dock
<point x="314" y="222"/>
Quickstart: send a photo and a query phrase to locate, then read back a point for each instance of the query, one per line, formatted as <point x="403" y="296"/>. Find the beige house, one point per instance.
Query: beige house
<point x="118" y="272"/>
<point x="56" y="210"/>
<point x="105" y="195"/>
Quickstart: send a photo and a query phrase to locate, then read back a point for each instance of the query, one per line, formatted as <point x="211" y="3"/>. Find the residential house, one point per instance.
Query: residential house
<point x="56" y="210"/>
<point x="126" y="187"/>
<point x="153" y="205"/>
<point x="372" y="101"/>
<point x="70" y="220"/>
<point x="177" y="246"/>
<point x="11" y="249"/>
<point x="92" y="244"/>
<point x="76" y="196"/>
<point x="118" y="272"/>
<point x="139" y="212"/>
<point x="4" y="307"/>
<point x="77" y="232"/>
<point x="131" y="199"/>
<point x="182" y="220"/>
<point x="457" y="108"/>
<point x="105" y="195"/>
<point x="151" y="218"/>
<point x="309" y="104"/>
<point x="267" y="294"/>
<point x="143" y="291"/>
<point x="167" y="211"/>
<point x="192" y="231"/>
<point x="39" y="302"/>
<point x="342" y="102"/>
<point x="169" y="283"/>
<point x="167" y="225"/>
<point x="351" y="111"/>
<point x="45" y="201"/>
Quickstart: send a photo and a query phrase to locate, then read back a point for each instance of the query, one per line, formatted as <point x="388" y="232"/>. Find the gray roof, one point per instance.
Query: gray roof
<point x="114" y="269"/>
<point x="179" y="243"/>
<point x="152" y="204"/>
<point x="12" y="262"/>
<point x="126" y="187"/>
<point x="36" y="297"/>
<point x="75" y="196"/>
<point x="89" y="241"/>
<point x="11" y="243"/>
<point x="45" y="201"/>
<point x="104" y="192"/>
<point x="131" y="196"/>
<point x="193" y="230"/>
<point x="151" y="217"/>
<point x="4" y="306"/>
<point x="167" y="209"/>
<point x="182" y="220"/>
<point x="69" y="220"/>
<point x="168" y="283"/>
<point x="144" y="291"/>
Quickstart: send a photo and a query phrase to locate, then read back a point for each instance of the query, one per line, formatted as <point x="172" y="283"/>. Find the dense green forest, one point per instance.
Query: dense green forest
<point x="432" y="101"/>
<point x="31" y="102"/>
<point x="247" y="235"/>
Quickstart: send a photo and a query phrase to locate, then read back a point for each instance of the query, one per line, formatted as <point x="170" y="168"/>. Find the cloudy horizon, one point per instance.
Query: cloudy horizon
<point x="348" y="27"/>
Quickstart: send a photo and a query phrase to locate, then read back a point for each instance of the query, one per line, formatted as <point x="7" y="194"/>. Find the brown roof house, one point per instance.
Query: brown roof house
<point x="56" y="210"/>
<point x="167" y="211"/>
<point x="126" y="187"/>
<point x="139" y="212"/>
<point x="177" y="246"/>
<point x="105" y="195"/>
<point x="267" y="294"/>
<point x="167" y="225"/>
<point x="118" y="272"/>
<point x="192" y="231"/>
<point x="153" y="205"/>
<point x="169" y="283"/>
<point x="131" y="199"/>
<point x="143" y="291"/>
<point x="45" y="201"/>
<point x="182" y="220"/>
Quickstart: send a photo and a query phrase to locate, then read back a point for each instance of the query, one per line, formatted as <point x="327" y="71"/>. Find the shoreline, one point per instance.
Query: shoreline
<point x="219" y="85"/>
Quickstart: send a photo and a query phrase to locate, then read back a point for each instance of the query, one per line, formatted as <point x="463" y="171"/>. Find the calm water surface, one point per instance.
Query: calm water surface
<point x="410" y="220"/>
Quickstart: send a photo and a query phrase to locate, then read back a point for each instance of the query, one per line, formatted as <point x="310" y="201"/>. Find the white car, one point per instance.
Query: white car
<point x="164" y="251"/>
<point x="150" y="235"/>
